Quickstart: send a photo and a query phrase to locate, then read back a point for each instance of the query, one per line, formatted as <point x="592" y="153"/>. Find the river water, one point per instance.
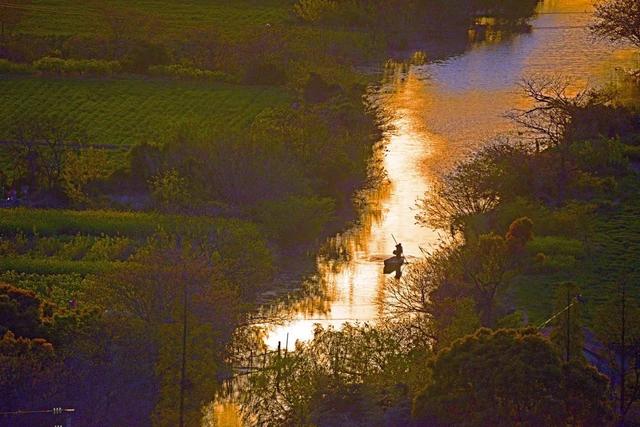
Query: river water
<point x="437" y="113"/>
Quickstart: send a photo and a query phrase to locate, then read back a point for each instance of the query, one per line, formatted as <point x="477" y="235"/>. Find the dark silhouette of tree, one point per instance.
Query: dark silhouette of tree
<point x="547" y="123"/>
<point x="28" y="369"/>
<point x="40" y="145"/>
<point x="618" y="20"/>
<point x="20" y="312"/>
<point x="486" y="266"/>
<point x="509" y="377"/>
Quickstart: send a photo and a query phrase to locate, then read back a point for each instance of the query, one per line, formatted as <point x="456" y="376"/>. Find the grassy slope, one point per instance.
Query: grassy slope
<point x="72" y="17"/>
<point x="126" y="111"/>
<point x="614" y="250"/>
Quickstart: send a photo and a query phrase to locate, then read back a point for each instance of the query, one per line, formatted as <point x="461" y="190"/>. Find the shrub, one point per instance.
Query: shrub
<point x="315" y="10"/>
<point x="178" y="71"/>
<point x="76" y="248"/>
<point x="47" y="246"/>
<point x="23" y="264"/>
<point x="170" y="190"/>
<point x="603" y="156"/>
<point x="57" y="288"/>
<point x="96" y="67"/>
<point x="110" y="248"/>
<point x="555" y="245"/>
<point x="18" y="244"/>
<point x="7" y="67"/>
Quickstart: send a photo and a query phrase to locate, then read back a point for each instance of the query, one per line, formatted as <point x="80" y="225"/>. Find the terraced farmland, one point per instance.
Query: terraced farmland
<point x="126" y="111"/>
<point x="52" y="252"/>
<point x="73" y="17"/>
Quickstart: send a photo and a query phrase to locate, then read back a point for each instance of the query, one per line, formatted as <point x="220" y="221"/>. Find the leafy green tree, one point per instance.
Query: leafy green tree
<point x="462" y="321"/>
<point x="486" y="265"/>
<point x="81" y="168"/>
<point x="508" y="377"/>
<point x="28" y="369"/>
<point x="20" y="312"/>
<point x="295" y="220"/>
<point x="175" y="290"/>
<point x="171" y="191"/>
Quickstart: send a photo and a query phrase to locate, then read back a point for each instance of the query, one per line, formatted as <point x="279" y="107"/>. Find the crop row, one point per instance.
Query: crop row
<point x="126" y="111"/>
<point x="64" y="17"/>
<point x="51" y="222"/>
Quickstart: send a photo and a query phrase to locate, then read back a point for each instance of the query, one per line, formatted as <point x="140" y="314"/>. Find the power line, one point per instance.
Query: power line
<point x="39" y="9"/>
<point x="563" y="27"/>
<point x="55" y="411"/>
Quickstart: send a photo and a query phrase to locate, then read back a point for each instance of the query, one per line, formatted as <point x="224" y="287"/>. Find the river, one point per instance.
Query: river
<point x="437" y="113"/>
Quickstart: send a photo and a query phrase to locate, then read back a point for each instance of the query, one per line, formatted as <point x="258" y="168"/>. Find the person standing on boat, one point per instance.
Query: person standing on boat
<point x="399" y="251"/>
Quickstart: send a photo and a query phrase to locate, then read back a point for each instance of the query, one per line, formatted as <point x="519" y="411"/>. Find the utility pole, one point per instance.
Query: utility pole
<point x="623" y="354"/>
<point x="183" y="371"/>
<point x="183" y="374"/>
<point x="568" y="323"/>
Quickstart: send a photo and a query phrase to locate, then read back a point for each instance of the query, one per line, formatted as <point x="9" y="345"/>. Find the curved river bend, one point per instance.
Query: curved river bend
<point x="438" y="112"/>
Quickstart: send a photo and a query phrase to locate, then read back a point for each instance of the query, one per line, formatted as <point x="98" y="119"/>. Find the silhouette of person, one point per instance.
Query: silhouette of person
<point x="399" y="251"/>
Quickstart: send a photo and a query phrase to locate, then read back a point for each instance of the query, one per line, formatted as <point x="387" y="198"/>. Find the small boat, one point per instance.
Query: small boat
<point x="393" y="264"/>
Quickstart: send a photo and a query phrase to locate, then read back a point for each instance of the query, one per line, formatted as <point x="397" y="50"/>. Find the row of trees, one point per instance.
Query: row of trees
<point x="153" y="332"/>
<point x="51" y="160"/>
<point x="399" y="15"/>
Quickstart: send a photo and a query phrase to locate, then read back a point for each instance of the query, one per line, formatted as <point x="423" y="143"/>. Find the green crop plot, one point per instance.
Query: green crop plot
<point x="127" y="111"/>
<point x="612" y="256"/>
<point x="72" y="17"/>
<point x="54" y="222"/>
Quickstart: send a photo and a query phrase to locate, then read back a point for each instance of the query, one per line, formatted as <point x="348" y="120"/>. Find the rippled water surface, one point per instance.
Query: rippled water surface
<point x="438" y="112"/>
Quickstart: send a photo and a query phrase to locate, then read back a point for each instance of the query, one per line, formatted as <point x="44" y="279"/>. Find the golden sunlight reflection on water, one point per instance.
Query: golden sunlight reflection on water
<point x="438" y="112"/>
<point x="356" y="286"/>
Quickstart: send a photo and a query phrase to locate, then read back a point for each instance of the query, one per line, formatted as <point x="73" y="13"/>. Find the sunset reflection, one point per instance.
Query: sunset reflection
<point x="354" y="289"/>
<point x="436" y="113"/>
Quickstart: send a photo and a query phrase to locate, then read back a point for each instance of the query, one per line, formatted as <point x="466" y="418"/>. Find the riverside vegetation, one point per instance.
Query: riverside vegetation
<point x="169" y="160"/>
<point x="529" y="314"/>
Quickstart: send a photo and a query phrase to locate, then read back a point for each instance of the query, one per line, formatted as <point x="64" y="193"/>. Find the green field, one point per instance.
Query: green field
<point x="51" y="241"/>
<point x="614" y="251"/>
<point x="55" y="222"/>
<point x="127" y="111"/>
<point x="72" y="17"/>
